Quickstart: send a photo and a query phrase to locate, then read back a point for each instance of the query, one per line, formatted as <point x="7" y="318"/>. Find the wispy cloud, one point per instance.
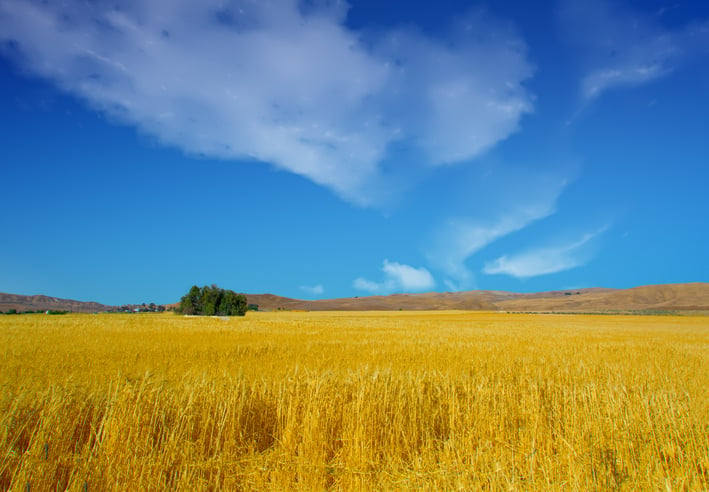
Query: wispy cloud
<point x="313" y="290"/>
<point x="622" y="47"/>
<point x="398" y="278"/>
<point x="547" y="260"/>
<point x="458" y="239"/>
<point x="280" y="81"/>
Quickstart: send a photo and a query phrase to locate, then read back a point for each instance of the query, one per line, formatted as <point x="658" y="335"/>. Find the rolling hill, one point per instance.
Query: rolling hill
<point x="668" y="297"/>
<point x="44" y="303"/>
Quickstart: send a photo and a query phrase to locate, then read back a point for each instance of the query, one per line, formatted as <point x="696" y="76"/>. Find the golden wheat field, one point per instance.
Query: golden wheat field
<point x="354" y="401"/>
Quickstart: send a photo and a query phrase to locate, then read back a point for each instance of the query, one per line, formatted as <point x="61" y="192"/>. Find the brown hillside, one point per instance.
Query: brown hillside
<point x="430" y="301"/>
<point x="694" y="296"/>
<point x="672" y="297"/>
<point x="45" y="303"/>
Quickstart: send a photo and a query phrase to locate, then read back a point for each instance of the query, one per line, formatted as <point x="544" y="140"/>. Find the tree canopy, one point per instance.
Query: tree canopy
<point x="213" y="301"/>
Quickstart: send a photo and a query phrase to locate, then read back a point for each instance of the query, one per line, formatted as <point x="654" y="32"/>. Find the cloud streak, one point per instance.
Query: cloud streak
<point x="623" y="48"/>
<point x="530" y="199"/>
<point x="280" y="81"/>
<point x="545" y="261"/>
<point x="313" y="290"/>
<point x="459" y="239"/>
<point x="398" y="278"/>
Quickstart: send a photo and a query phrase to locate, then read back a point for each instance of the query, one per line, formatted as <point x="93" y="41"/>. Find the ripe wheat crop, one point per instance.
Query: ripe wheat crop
<point x="354" y="401"/>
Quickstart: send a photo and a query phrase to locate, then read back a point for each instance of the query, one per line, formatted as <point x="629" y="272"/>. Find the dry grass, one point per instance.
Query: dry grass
<point x="354" y="401"/>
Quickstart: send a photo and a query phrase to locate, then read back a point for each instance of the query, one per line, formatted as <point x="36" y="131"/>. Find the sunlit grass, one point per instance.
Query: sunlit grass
<point x="354" y="401"/>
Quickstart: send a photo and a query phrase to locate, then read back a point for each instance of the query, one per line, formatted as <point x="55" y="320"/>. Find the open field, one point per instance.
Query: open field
<point x="354" y="401"/>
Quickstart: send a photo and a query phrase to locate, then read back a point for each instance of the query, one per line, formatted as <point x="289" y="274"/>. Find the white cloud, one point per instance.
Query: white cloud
<point x="622" y="47"/>
<point x="279" y="81"/>
<point x="313" y="290"/>
<point x="461" y="238"/>
<point x="530" y="199"/>
<point x="544" y="261"/>
<point x="364" y="284"/>
<point x="398" y="278"/>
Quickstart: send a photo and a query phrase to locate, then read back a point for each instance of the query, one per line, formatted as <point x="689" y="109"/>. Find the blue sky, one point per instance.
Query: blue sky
<point x="327" y="149"/>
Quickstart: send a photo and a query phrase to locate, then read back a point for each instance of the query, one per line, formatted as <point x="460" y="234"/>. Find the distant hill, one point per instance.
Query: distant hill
<point x="669" y="297"/>
<point x="394" y="302"/>
<point x="45" y="303"/>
